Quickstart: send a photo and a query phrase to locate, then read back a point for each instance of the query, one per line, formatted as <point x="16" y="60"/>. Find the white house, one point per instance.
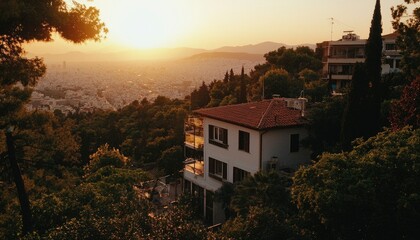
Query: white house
<point x="230" y="142"/>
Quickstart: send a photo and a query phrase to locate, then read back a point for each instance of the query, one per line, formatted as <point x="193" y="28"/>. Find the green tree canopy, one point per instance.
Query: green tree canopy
<point x="294" y="60"/>
<point x="25" y="21"/>
<point x="325" y="125"/>
<point x="278" y="81"/>
<point x="262" y="208"/>
<point x="36" y="20"/>
<point x="261" y="189"/>
<point x="371" y="192"/>
<point x="409" y="38"/>
<point x="105" y="157"/>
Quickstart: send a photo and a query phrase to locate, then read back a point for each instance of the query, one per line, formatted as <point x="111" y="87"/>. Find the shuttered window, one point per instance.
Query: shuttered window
<point x="294" y="143"/>
<point x="218" y="136"/>
<point x="217" y="169"/>
<point x="244" y="141"/>
<point x="239" y="174"/>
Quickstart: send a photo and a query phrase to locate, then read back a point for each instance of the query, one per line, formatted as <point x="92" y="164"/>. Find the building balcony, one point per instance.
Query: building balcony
<point x="341" y="76"/>
<point x="344" y="60"/>
<point x="193" y="129"/>
<point x="194" y="166"/>
<point x="194" y="141"/>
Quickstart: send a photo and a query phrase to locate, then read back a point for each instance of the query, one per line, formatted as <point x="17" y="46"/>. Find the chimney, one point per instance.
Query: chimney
<point x="302" y="104"/>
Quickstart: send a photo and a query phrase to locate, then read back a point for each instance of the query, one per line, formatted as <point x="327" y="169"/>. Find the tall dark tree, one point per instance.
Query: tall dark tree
<point x="354" y="117"/>
<point x="373" y="69"/>
<point x="231" y="75"/>
<point x="24" y="21"/>
<point x="203" y="95"/>
<point x="363" y="111"/>
<point x="226" y="78"/>
<point x="242" y="88"/>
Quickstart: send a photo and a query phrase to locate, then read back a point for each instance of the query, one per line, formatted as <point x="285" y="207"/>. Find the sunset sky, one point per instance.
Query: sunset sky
<point x="211" y="24"/>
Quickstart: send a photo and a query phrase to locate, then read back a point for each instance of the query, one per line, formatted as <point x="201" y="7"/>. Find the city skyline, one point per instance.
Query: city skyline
<point x="211" y="24"/>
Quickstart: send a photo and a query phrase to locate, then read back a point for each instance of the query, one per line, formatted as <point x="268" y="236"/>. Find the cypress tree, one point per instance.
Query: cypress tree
<point x="362" y="114"/>
<point x="203" y="95"/>
<point x="231" y="75"/>
<point x="226" y="79"/>
<point x="373" y="64"/>
<point x="355" y="112"/>
<point x="242" y="90"/>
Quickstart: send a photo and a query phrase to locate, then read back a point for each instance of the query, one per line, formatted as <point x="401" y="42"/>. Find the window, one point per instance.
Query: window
<point x="217" y="169"/>
<point x="341" y="69"/>
<point x="244" y="141"/>
<point x="294" y="143"/>
<point x="390" y="46"/>
<point x="360" y="53"/>
<point x="218" y="136"/>
<point x="239" y="174"/>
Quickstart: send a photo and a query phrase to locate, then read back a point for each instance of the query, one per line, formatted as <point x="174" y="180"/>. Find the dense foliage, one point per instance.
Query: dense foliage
<point x="81" y="170"/>
<point x="371" y="192"/>
<point x="409" y="37"/>
<point x="261" y="208"/>
<point x="286" y="73"/>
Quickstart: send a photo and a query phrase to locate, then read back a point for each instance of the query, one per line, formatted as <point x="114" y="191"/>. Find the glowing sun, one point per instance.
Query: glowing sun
<point x="144" y="23"/>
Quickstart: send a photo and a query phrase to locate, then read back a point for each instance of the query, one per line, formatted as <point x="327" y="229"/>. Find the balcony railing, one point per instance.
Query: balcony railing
<point x="194" y="133"/>
<point x="194" y="166"/>
<point x="194" y="141"/>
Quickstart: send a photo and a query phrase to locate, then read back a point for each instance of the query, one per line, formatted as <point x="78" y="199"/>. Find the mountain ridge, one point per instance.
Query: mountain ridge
<point x="246" y="51"/>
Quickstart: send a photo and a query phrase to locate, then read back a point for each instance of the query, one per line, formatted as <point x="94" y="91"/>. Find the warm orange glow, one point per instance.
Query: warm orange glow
<point x="211" y="24"/>
<point x="144" y="23"/>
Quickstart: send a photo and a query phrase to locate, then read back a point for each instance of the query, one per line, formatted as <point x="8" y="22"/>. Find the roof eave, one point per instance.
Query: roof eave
<point x="256" y="128"/>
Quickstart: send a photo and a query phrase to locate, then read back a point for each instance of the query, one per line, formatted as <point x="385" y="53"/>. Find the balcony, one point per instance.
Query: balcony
<point x="194" y="133"/>
<point x="194" y="141"/>
<point x="194" y="166"/>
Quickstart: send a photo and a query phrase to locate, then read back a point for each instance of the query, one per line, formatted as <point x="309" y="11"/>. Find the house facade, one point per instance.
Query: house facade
<point x="339" y="57"/>
<point x="235" y="141"/>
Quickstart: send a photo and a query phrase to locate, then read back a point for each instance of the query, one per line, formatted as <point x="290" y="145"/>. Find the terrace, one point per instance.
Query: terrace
<point x="194" y="166"/>
<point x="194" y="133"/>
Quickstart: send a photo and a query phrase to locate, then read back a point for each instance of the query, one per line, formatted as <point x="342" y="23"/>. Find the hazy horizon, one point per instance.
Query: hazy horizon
<point x="33" y="49"/>
<point x="206" y="24"/>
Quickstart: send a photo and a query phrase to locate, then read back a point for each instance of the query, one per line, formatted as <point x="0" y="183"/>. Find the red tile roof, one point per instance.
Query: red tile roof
<point x="257" y="115"/>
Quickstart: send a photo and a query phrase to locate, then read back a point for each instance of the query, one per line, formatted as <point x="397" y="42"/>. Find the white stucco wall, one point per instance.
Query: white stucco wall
<point x="276" y="143"/>
<point x="232" y="156"/>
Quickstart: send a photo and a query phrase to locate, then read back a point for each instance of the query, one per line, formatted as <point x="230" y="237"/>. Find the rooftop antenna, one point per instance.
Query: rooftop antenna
<point x="332" y="27"/>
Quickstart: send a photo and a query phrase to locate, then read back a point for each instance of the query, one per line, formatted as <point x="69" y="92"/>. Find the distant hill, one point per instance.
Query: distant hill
<point x="228" y="55"/>
<point x="127" y="55"/>
<point x="251" y="52"/>
<point x="260" y="48"/>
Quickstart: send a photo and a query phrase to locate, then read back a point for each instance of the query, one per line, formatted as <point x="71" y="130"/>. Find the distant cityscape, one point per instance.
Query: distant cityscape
<point x="86" y="86"/>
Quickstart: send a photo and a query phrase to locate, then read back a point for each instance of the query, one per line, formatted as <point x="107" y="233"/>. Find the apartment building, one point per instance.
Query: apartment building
<point x="339" y="57"/>
<point x="228" y="143"/>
